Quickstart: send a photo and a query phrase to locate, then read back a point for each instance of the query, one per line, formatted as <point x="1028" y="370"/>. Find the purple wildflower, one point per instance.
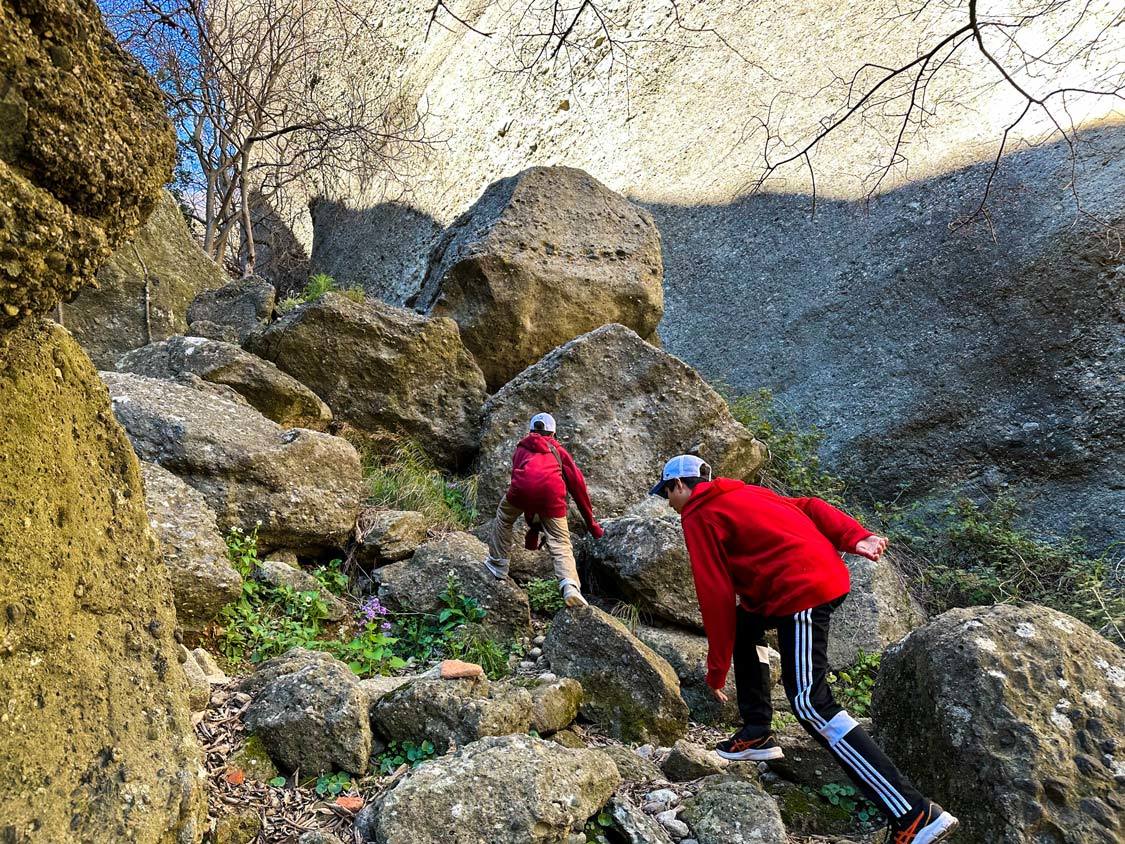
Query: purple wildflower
<point x="372" y="609"/>
<point x="386" y="625"/>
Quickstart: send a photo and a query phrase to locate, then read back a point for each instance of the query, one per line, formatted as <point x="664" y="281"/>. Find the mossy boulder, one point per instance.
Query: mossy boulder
<point x="95" y="737"/>
<point x="386" y="371"/>
<point x="84" y="149"/>
<point x="630" y="691"/>
<point x="144" y="289"/>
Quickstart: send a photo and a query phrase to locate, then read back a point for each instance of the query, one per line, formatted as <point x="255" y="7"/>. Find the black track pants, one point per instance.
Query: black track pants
<point x="803" y="643"/>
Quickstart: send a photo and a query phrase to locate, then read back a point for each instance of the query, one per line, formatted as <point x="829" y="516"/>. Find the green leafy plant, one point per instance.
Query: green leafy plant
<point x="332" y="576"/>
<point x="266" y="620"/>
<point x="794" y="466"/>
<point x="401" y="476"/>
<point x="317" y="285"/>
<point x="405" y="753"/>
<point x="472" y="645"/>
<point x="544" y="596"/>
<point x="851" y="801"/>
<point x="853" y="686"/>
<point x="598" y="827"/>
<point x="277" y="782"/>
<point x="782" y="721"/>
<point x="329" y="785"/>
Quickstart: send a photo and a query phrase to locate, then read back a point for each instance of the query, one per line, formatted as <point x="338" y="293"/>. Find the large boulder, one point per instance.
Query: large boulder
<point x="95" y="735"/>
<point x="194" y="552"/>
<point x="313" y="719"/>
<point x="388" y="536"/>
<point x="304" y="487"/>
<point x="384" y="370"/>
<point x="451" y="712"/>
<point x="726" y="810"/>
<point x="643" y="557"/>
<point x="84" y="148"/>
<point x="687" y="654"/>
<point x="503" y="790"/>
<point x="1014" y="719"/>
<point x="266" y="388"/>
<point x="417" y="584"/>
<point x="235" y="310"/>
<point x="879" y="610"/>
<point x="623" y="408"/>
<point x="629" y="690"/>
<point x="144" y="290"/>
<point x="541" y="258"/>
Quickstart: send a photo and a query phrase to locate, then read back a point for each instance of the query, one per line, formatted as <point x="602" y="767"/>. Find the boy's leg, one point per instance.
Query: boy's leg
<point x="752" y="674"/>
<point x="803" y="641"/>
<point x="556" y="533"/>
<point x="500" y="540"/>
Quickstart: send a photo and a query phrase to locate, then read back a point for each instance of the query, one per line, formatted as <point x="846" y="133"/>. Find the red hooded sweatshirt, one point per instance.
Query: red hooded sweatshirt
<point x="776" y="556"/>
<point x="541" y="481"/>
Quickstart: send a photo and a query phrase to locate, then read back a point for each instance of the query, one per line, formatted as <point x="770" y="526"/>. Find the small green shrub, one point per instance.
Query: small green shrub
<point x="599" y="827"/>
<point x="793" y="467"/>
<point x="332" y="576"/>
<point x="969" y="555"/>
<point x="266" y="620"/>
<point x="544" y="596"/>
<point x="369" y="650"/>
<point x="398" y="754"/>
<point x="853" y="686"/>
<point x="851" y="801"/>
<point x="782" y="721"/>
<point x="406" y="479"/>
<point x="317" y="285"/>
<point x="330" y="785"/>
<point x="472" y="645"/>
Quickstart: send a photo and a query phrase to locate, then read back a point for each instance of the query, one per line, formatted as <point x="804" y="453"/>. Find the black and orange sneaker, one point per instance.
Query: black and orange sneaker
<point x="925" y="825"/>
<point x="745" y="746"/>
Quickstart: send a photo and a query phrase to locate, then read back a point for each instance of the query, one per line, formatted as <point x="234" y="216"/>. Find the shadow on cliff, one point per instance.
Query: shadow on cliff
<point x="927" y="355"/>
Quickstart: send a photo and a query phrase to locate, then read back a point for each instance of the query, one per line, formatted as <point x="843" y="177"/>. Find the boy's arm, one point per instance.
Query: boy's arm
<point x="576" y="486"/>
<point x="841" y="529"/>
<point x="717" y="601"/>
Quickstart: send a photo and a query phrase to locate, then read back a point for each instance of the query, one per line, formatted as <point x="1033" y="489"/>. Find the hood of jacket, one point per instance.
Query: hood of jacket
<point x="536" y="443"/>
<point x="710" y="490"/>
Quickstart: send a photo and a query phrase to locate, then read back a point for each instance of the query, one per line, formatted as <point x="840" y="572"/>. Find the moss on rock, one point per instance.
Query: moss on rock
<point x="95" y="734"/>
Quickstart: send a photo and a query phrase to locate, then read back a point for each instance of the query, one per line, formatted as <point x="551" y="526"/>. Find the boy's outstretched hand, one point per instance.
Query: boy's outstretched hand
<point x="720" y="696"/>
<point x="872" y="548"/>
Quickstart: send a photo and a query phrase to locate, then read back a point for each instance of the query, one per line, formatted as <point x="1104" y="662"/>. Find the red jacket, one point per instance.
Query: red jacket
<point x="776" y="556"/>
<point x="540" y="481"/>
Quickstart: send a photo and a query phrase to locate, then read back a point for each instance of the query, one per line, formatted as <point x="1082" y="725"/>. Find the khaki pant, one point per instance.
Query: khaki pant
<point x="555" y="531"/>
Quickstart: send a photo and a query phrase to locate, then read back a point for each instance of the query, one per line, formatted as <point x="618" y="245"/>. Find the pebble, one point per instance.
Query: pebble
<point x="539" y="640"/>
<point x="527" y="665"/>
<point x="547" y="677"/>
<point x="663" y="796"/>
<point x="689" y="841"/>
<point x="644" y="751"/>
<point x="535" y="652"/>
<point x="676" y="828"/>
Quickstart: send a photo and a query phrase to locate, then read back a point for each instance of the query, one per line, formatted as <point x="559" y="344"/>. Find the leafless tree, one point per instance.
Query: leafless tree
<point x="265" y="93"/>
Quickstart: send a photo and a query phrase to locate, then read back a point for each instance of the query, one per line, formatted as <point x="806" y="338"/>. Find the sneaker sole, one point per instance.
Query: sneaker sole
<point x="753" y="755"/>
<point x="576" y="601"/>
<point x="499" y="574"/>
<point x="939" y="830"/>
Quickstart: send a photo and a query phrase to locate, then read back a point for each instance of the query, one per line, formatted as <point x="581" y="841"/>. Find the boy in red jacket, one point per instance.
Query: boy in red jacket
<point x="542" y="475"/>
<point x="762" y="561"/>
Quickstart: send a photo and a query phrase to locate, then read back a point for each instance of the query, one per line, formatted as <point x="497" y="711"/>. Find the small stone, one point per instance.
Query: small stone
<point x="351" y="804"/>
<point x="455" y="669"/>
<point x="539" y="640"/>
<point x="674" y="825"/>
<point x="535" y="653"/>
<point x="664" y="796"/>
<point x="525" y="665"/>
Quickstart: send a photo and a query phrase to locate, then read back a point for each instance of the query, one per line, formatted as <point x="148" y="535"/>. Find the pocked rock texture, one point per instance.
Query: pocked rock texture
<point x="540" y="258"/>
<point x="144" y="289"/>
<point x="84" y="149"/>
<point x="95" y="738"/>
<point x="1012" y="718"/>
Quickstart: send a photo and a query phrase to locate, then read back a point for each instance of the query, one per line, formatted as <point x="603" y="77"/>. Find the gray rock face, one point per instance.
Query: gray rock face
<point x="451" y="712"/>
<point x="287" y="663"/>
<point x="878" y="611"/>
<point x="304" y="487"/>
<point x="509" y="790"/>
<point x="643" y="556"/>
<point x="240" y="307"/>
<point x="623" y="408"/>
<point x="314" y="719"/>
<point x="629" y="690"/>
<point x="1012" y="718"/>
<point x="687" y="654"/>
<point x="266" y="388"/>
<point x="689" y="761"/>
<point x="144" y="290"/>
<point x="631" y="765"/>
<point x="733" y="811"/>
<point x="541" y="258"/>
<point x="635" y="825"/>
<point x="199" y="689"/>
<point x="416" y="585"/>
<point x="390" y="536"/>
<point x="203" y="579"/>
<point x="278" y="574"/>
<point x="384" y="370"/>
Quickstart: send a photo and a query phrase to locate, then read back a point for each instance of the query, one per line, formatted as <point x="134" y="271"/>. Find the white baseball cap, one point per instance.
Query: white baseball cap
<point x="682" y="466"/>
<point x="542" y="422"/>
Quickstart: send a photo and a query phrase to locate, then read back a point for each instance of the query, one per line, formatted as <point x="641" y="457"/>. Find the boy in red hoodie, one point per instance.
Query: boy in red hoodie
<point x="762" y="561"/>
<point x="542" y="475"/>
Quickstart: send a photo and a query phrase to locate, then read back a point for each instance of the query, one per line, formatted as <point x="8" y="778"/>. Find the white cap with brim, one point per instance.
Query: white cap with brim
<point x="682" y="466"/>
<point x="542" y="422"/>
